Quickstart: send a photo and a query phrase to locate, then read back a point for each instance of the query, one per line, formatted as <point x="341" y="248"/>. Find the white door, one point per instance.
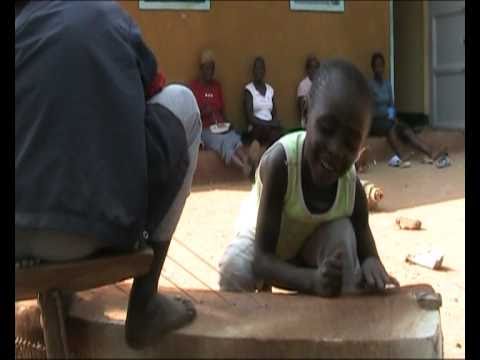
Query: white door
<point x="447" y="24"/>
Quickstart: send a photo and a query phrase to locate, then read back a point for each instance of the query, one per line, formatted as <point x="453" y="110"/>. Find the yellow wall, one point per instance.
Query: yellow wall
<point x="237" y="31"/>
<point x="410" y="62"/>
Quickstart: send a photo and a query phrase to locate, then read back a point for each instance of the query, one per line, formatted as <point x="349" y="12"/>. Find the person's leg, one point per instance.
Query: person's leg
<point x="237" y="160"/>
<point x="406" y="133"/>
<point x="54" y="246"/>
<point x="384" y="127"/>
<point x="236" y="266"/>
<point x="242" y="153"/>
<point x="274" y="133"/>
<point x="230" y="148"/>
<point x="150" y="315"/>
<point x="260" y="133"/>
<point x="328" y="238"/>
<point x="393" y="141"/>
<point x="249" y="165"/>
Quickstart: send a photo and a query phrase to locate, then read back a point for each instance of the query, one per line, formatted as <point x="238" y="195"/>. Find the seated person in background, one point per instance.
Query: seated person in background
<point x="260" y="109"/>
<point x="105" y="172"/>
<point x="386" y="124"/>
<point x="208" y="93"/>
<point x="311" y="65"/>
<point x="304" y="226"/>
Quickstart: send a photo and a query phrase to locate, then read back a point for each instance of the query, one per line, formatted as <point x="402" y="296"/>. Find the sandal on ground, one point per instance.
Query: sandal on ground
<point x="395" y="161"/>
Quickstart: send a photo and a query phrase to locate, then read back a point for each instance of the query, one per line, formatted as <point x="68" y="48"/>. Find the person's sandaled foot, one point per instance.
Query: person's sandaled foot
<point x="443" y="161"/>
<point x="395" y="161"/>
<point x="145" y="326"/>
<point x="432" y="160"/>
<point x="442" y="152"/>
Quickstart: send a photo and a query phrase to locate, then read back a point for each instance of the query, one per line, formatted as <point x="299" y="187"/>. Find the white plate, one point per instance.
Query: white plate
<point x="220" y="128"/>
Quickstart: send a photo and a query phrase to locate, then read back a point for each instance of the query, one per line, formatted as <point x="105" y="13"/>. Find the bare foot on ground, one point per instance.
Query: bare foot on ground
<point x="146" y="326"/>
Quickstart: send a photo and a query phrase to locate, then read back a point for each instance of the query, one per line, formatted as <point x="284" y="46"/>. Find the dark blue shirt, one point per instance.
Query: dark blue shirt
<point x="382" y="95"/>
<point x="80" y="137"/>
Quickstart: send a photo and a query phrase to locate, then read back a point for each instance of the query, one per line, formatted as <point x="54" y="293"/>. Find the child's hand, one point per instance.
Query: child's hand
<point x="327" y="280"/>
<point x="375" y="276"/>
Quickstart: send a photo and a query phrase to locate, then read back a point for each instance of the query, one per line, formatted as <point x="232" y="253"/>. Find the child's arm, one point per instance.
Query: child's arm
<point x="267" y="265"/>
<point x="373" y="271"/>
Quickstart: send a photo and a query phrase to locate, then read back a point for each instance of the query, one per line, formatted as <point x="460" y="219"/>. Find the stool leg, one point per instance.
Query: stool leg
<point x="53" y="319"/>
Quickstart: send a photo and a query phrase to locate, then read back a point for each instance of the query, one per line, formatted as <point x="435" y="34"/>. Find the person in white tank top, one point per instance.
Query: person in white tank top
<point x="260" y="108"/>
<point x="262" y="105"/>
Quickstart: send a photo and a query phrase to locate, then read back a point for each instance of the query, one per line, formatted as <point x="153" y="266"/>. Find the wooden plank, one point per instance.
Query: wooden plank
<point x="268" y="326"/>
<point x="54" y="325"/>
<point x="81" y="275"/>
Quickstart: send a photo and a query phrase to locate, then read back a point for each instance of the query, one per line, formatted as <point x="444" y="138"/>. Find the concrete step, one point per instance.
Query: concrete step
<point x="212" y="170"/>
<point x="279" y="325"/>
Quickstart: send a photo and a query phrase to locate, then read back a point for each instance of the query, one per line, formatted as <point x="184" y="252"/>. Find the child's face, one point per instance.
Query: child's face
<point x="335" y="134"/>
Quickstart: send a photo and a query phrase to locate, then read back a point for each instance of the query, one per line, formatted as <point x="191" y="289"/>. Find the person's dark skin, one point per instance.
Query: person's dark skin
<point x="335" y="134"/>
<point x="267" y="130"/>
<point x="311" y="66"/>
<point x="400" y="132"/>
<point x="150" y="314"/>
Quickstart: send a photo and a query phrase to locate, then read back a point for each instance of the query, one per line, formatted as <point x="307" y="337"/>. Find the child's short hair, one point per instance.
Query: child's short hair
<point x="339" y="73"/>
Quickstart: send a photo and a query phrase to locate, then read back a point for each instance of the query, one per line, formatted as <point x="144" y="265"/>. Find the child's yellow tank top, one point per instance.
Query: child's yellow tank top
<point x="298" y="223"/>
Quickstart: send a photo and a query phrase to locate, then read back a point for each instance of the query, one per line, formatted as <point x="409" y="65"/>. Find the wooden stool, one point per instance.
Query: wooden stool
<point x="46" y="281"/>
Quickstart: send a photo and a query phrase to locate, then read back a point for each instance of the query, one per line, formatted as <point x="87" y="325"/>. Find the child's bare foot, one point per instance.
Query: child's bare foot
<point x="327" y="280"/>
<point x="146" y="325"/>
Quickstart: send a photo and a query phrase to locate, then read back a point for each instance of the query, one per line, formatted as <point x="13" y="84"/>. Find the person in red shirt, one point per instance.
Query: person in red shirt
<point x="208" y="93"/>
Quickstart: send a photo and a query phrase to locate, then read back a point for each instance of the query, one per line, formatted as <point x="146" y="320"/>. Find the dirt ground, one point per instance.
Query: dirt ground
<point x="436" y="197"/>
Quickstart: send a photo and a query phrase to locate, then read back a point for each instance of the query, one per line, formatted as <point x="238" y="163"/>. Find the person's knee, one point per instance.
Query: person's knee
<point x="342" y="229"/>
<point x="236" y="271"/>
<point x="336" y="235"/>
<point x="180" y="100"/>
<point x="235" y="277"/>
